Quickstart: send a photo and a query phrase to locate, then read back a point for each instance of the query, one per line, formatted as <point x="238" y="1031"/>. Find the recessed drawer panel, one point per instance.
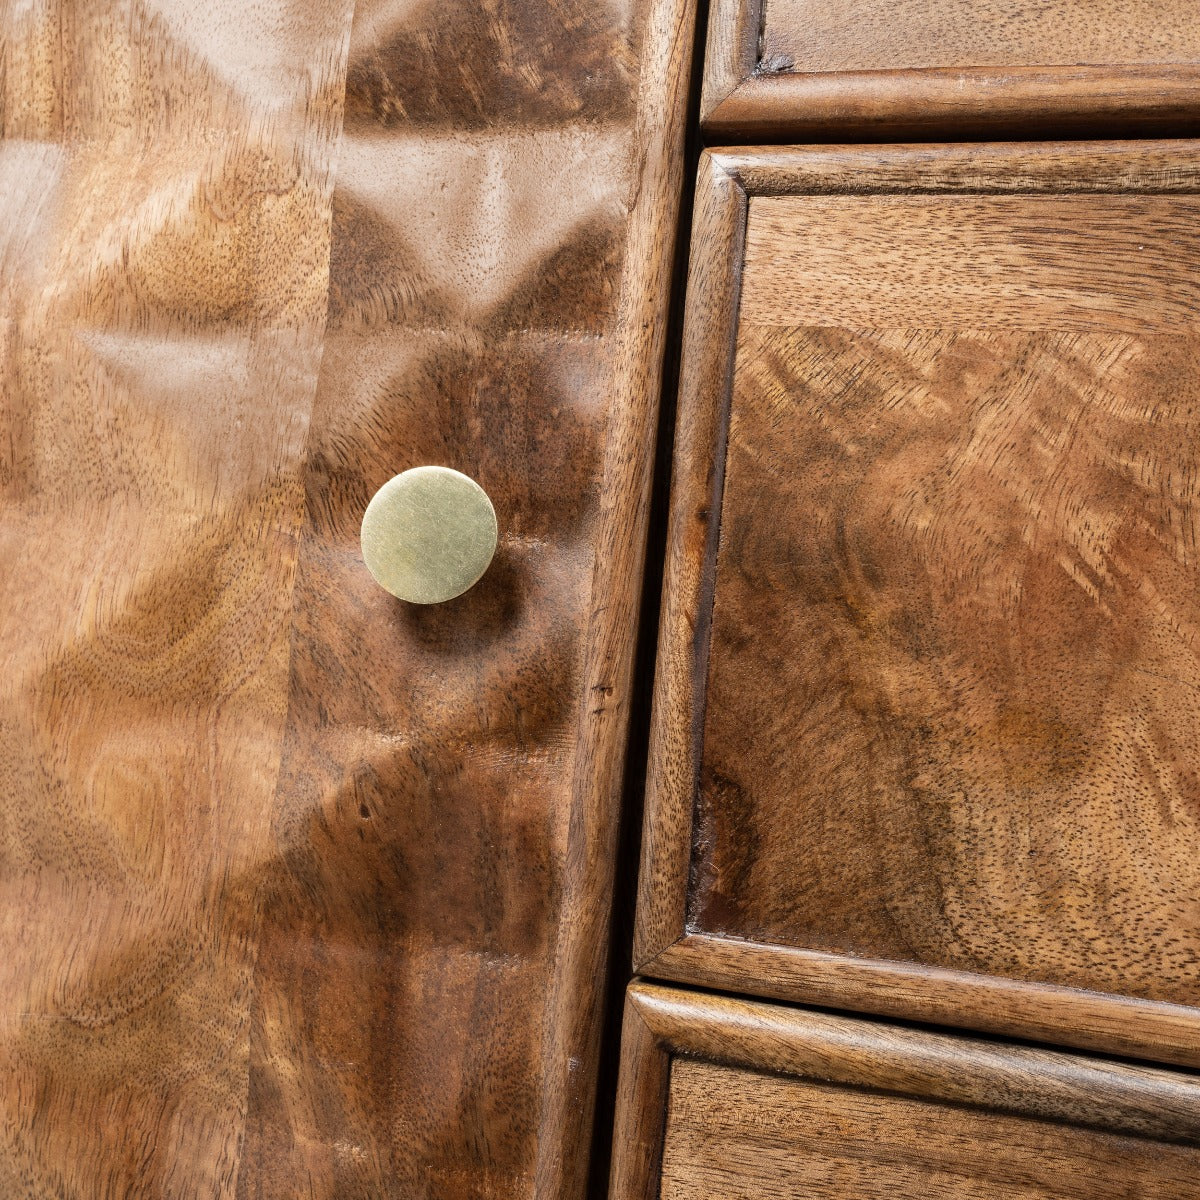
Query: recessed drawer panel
<point x="928" y="711"/>
<point x="775" y="1138"/>
<point x="729" y="1100"/>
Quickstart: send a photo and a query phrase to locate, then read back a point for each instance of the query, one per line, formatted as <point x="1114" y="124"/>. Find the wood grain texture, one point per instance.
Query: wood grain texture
<point x="853" y="35"/>
<point x="641" y="1109"/>
<point x="1041" y="1012"/>
<point x="1150" y="167"/>
<point x="731" y="51"/>
<point x="956" y="671"/>
<point x="801" y="1140"/>
<point x="714" y="280"/>
<point x="766" y="1100"/>
<point x="430" y="1018"/>
<point x="307" y="891"/>
<point x="1110" y="264"/>
<point x="948" y="710"/>
<point x="819" y="69"/>
<point x="167" y="182"/>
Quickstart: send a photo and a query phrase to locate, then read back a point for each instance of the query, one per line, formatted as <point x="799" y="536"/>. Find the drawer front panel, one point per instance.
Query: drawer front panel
<point x="881" y="35"/>
<point x="953" y="689"/>
<point x="947" y="694"/>
<point x="806" y="70"/>
<point x="725" y="1099"/>
<point x="775" y="1138"/>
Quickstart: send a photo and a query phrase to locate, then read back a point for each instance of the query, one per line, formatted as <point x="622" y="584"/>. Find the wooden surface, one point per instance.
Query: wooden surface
<point x="724" y="1097"/>
<point x="782" y="1138"/>
<point x="880" y="35"/>
<point x="803" y="70"/>
<point x="1150" y="1029"/>
<point x="1016" y="265"/>
<point x="936" y="711"/>
<point x="953" y="683"/>
<point x="305" y="892"/>
<point x="731" y="51"/>
<point x="714" y="271"/>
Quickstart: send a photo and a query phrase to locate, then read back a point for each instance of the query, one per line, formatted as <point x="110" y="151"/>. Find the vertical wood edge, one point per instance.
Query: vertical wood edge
<point x="575" y="1008"/>
<point x="710" y="323"/>
<point x="641" y="1114"/>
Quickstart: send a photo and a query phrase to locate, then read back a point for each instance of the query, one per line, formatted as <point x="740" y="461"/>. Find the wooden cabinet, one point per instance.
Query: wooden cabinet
<point x="308" y="892"/>
<point x="925" y="705"/>
<point x="305" y="891"/>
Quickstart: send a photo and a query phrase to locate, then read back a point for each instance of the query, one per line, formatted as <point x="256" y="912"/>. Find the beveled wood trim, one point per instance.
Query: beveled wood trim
<point x="973" y="102"/>
<point x="664" y="947"/>
<point x="731" y="54"/>
<point x="641" y="1112"/>
<point x="1157" y="166"/>
<point x="714" y="284"/>
<point x="1040" y="1012"/>
<point x="746" y="100"/>
<point x="1046" y="1085"/>
<point x="662" y="1024"/>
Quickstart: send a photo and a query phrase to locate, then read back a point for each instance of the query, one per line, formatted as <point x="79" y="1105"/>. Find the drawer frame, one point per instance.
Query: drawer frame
<point x="664" y="945"/>
<point x="747" y="99"/>
<point x="662" y="1024"/>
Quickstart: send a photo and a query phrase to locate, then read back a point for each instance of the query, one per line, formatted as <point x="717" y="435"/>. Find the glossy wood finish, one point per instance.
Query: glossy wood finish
<point x="722" y="1097"/>
<point x="802" y="70"/>
<point x="306" y="892"/>
<point x="922" y="734"/>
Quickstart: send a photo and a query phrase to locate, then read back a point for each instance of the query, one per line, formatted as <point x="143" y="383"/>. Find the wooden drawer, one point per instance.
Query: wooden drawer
<point x="929" y="700"/>
<point x="730" y="1100"/>
<point x="902" y="68"/>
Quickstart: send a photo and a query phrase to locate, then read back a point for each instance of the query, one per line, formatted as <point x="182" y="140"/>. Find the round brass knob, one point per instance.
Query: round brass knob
<point x="429" y="534"/>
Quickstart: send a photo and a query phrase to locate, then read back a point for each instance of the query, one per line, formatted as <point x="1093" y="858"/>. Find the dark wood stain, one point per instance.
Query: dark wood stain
<point x="500" y="63"/>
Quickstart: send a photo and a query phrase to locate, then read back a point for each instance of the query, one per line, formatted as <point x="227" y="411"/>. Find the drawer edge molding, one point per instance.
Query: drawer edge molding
<point x="747" y="99"/>
<point x="714" y="288"/>
<point x="1039" y="1012"/>
<point x="979" y="102"/>
<point x="664" y="945"/>
<point x="662" y="1024"/>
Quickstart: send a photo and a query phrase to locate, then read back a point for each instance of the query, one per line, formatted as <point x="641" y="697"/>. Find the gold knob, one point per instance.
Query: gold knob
<point x="429" y="534"/>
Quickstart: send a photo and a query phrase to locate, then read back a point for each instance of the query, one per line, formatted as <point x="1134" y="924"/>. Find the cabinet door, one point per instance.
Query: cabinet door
<point x="304" y="891"/>
<point x="803" y="70"/>
<point x="929" y="696"/>
<point x="731" y="1100"/>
